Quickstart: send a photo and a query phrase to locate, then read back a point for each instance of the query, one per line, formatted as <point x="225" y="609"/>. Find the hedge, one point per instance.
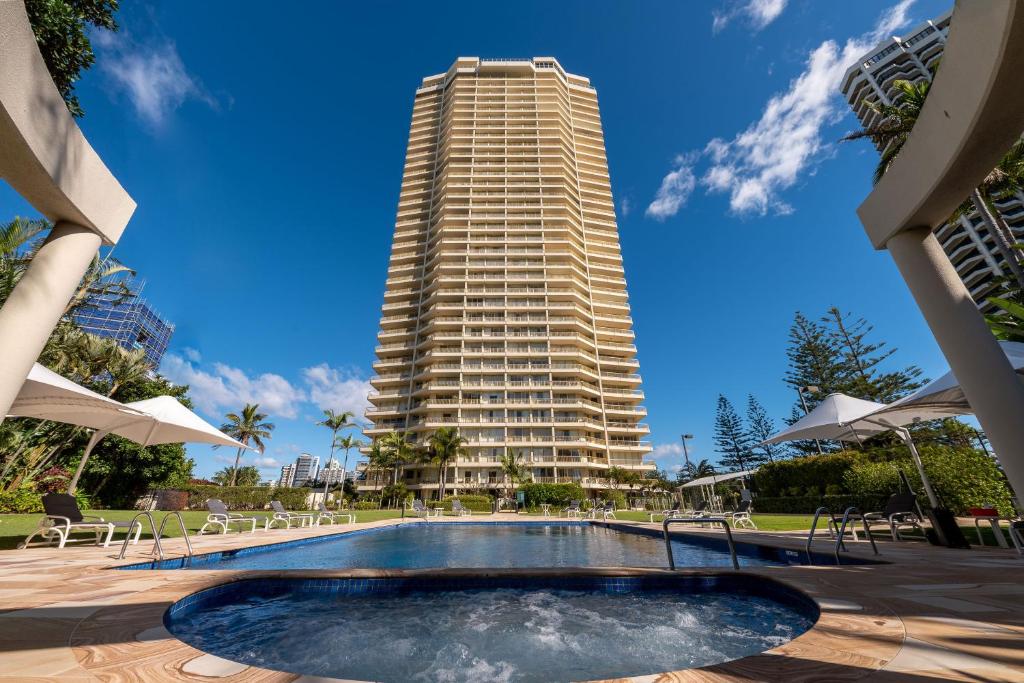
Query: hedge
<point x="808" y="504"/>
<point x="247" y="497"/>
<point x="553" y="494"/>
<point x="24" y="500"/>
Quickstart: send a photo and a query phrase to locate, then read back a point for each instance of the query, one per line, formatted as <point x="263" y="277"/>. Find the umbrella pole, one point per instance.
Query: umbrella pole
<point x="904" y="434"/>
<point x="93" y="440"/>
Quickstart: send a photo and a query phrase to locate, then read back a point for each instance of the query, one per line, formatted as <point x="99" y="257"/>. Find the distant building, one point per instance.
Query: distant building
<point x="307" y="467"/>
<point x="913" y="57"/>
<point x="331" y="473"/>
<point x="287" y="476"/>
<point x="129" y="321"/>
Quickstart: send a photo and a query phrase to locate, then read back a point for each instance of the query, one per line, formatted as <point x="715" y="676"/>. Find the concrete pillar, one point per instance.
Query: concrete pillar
<point x="37" y="303"/>
<point x="988" y="380"/>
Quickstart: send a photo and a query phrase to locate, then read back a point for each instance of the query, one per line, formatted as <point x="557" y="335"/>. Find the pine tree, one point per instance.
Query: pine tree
<point x="762" y="426"/>
<point x="731" y="438"/>
<point x="861" y="376"/>
<point x="814" y="360"/>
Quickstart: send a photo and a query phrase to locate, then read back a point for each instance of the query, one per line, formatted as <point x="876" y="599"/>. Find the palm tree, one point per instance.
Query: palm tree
<point x="890" y="134"/>
<point x="515" y="471"/>
<point x="399" y="451"/>
<point x="249" y="426"/>
<point x="347" y="442"/>
<point x="335" y="422"/>
<point x="701" y="469"/>
<point x="126" y="367"/>
<point x="445" y="445"/>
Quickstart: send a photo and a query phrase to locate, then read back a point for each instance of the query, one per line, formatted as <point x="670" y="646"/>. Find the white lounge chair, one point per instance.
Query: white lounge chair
<point x="741" y="515"/>
<point x="459" y="509"/>
<point x="332" y="516"/>
<point x="63" y="518"/>
<point x="220" y="517"/>
<point x="664" y="514"/>
<point x="282" y="515"/>
<point x="419" y="509"/>
<point x="574" y="509"/>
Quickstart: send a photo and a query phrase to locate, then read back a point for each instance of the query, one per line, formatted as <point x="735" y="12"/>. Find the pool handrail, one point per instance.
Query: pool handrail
<point x="814" y="527"/>
<point x="152" y="527"/>
<point x="698" y="520"/>
<point x="842" y="531"/>
<point x="184" y="532"/>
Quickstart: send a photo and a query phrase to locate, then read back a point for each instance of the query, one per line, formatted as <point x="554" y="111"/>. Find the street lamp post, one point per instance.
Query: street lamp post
<point x="686" y="453"/>
<point x="811" y="389"/>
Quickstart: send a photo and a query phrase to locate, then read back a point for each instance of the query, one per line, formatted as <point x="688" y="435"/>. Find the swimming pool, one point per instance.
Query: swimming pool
<point x="478" y="544"/>
<point x="491" y="628"/>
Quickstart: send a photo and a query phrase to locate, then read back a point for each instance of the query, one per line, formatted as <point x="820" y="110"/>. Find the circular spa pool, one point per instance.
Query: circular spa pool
<point x="491" y="628"/>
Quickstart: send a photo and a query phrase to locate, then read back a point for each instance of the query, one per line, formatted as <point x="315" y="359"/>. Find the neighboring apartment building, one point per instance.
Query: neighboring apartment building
<point x="307" y="468"/>
<point x="966" y="241"/>
<point x="131" y="322"/>
<point x="331" y="473"/>
<point x="505" y="312"/>
<point x="287" y="476"/>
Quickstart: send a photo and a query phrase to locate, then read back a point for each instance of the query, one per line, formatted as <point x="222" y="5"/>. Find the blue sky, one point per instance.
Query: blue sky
<point x="265" y="148"/>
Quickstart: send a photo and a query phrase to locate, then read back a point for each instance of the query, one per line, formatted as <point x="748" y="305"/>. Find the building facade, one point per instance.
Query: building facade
<point x="967" y="241"/>
<point x="331" y="473"/>
<point x="131" y="322"/>
<point x="307" y="468"/>
<point x="287" y="476"/>
<point x="505" y="311"/>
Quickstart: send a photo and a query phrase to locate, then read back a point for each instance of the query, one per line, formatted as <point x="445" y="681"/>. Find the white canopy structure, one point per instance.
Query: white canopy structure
<point x="46" y="395"/>
<point x="942" y="397"/>
<point x="843" y="418"/>
<point x="717" y="478"/>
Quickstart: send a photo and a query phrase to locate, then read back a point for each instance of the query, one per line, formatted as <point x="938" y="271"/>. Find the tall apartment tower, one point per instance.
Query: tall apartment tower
<point x="967" y="241"/>
<point x="505" y="312"/>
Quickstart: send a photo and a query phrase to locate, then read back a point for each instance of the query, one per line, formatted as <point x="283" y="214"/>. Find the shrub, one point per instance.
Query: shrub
<point x="552" y="494"/>
<point x="247" y="497"/>
<point x="611" y="496"/>
<point x="476" y="503"/>
<point x="26" y="500"/>
<point x="793" y="477"/>
<point x="806" y="505"/>
<point x="366" y="505"/>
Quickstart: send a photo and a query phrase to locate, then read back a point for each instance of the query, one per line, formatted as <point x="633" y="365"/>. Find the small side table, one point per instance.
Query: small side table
<point x="439" y="512"/>
<point x="545" y="509"/>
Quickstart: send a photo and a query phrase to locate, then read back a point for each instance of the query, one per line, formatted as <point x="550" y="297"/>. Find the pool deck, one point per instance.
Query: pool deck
<point x="932" y="614"/>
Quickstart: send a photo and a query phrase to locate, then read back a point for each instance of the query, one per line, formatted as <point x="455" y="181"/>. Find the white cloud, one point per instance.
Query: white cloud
<point x="335" y="389"/>
<point x="266" y="462"/>
<point x="625" y="206"/>
<point x="775" y="151"/>
<point x="675" y="189"/>
<point x="191" y="354"/>
<point x="666" y="450"/>
<point x="150" y="74"/>
<point x="228" y="388"/>
<point x="757" y="13"/>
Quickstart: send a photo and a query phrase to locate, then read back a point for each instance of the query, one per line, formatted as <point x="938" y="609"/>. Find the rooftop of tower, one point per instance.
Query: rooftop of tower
<point x="476" y="65"/>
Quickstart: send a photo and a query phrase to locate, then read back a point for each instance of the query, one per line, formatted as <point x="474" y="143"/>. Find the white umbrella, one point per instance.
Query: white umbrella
<point x="158" y="420"/>
<point x="844" y="418"/>
<point x="45" y="395"/>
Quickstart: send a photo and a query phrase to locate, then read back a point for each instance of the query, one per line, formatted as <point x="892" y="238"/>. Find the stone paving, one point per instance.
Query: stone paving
<point x="930" y="614"/>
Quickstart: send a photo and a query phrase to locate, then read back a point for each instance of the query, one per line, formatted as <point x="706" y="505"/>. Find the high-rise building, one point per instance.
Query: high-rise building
<point x="131" y="322"/>
<point x="967" y="241"/>
<point x="287" y="476"/>
<point x="331" y="473"/>
<point x="505" y="311"/>
<point x="307" y="468"/>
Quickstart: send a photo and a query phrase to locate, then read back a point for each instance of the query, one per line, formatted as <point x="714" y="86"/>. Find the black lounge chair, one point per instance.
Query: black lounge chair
<point x="63" y="517"/>
<point x="574" y="509"/>
<point x="900" y="512"/>
<point x="220" y="517"/>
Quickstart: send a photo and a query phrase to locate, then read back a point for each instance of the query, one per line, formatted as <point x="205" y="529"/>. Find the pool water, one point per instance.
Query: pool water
<point x="426" y="545"/>
<point x="611" y="628"/>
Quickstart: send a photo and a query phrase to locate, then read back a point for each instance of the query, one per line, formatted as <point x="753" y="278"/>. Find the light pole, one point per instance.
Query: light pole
<point x="811" y="389"/>
<point x="686" y="453"/>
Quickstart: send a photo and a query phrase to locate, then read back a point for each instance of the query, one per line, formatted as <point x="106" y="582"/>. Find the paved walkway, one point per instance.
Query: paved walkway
<point x="932" y="614"/>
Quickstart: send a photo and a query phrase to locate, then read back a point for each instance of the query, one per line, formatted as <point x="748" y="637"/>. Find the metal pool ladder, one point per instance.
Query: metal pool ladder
<point x="692" y="520"/>
<point x="158" y="548"/>
<point x="814" y="527"/>
<point x="842" y="531"/>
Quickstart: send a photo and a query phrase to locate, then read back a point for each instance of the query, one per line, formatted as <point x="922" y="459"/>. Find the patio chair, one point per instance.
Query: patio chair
<point x="332" y="516"/>
<point x="607" y="511"/>
<point x="459" y="509"/>
<point x="574" y="509"/>
<point x="900" y="513"/>
<point x="63" y="517"/>
<point x="741" y="515"/>
<point x="282" y="515"/>
<point x="219" y="516"/>
<point x="665" y="514"/>
<point x="419" y="509"/>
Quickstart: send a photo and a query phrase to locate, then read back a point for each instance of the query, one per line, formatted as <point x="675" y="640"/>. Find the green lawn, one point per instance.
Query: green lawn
<point x="14" y="528"/>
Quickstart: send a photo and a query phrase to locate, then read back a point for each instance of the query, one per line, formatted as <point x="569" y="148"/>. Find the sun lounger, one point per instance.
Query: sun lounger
<point x="606" y="512"/>
<point x="332" y="516"/>
<point x="419" y="509"/>
<point x="282" y="515"/>
<point x="574" y="509"/>
<point x="220" y="517"/>
<point x="665" y="514"/>
<point x="63" y="518"/>
<point x="741" y="515"/>
<point x="459" y="509"/>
